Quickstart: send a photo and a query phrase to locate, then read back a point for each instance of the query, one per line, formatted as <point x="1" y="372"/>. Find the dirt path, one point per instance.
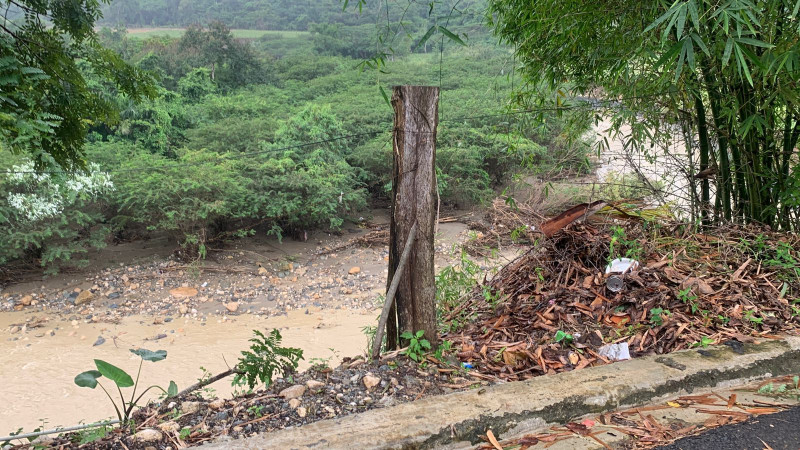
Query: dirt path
<point x="48" y="334"/>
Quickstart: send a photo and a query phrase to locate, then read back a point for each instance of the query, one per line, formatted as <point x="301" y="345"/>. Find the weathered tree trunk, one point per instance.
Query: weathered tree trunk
<point x="414" y="201"/>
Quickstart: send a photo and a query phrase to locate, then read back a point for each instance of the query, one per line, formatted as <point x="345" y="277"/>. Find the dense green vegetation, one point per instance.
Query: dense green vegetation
<point x="724" y="74"/>
<point x="281" y="134"/>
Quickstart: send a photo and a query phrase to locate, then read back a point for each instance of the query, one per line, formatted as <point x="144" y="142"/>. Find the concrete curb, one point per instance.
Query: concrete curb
<point x="508" y="409"/>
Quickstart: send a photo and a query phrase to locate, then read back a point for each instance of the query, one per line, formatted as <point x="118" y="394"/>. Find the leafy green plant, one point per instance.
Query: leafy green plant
<point x="443" y="348"/>
<point x="91" y="435"/>
<point x="657" y="316"/>
<point x="622" y="247"/>
<point x="561" y="336"/>
<point x="417" y="345"/>
<point x="256" y="410"/>
<point x="453" y="284"/>
<point x="265" y="358"/>
<point x="185" y="432"/>
<point x="121" y="379"/>
<point x="750" y="316"/>
<point x="704" y="342"/>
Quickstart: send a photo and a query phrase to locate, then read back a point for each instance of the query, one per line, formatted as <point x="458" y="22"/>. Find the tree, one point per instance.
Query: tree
<point x="726" y="73"/>
<point x="46" y="104"/>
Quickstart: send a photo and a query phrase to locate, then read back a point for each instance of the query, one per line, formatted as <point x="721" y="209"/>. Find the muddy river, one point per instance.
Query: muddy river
<point x="36" y="373"/>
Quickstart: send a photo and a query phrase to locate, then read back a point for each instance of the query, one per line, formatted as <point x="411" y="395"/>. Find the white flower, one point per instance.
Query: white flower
<point x="45" y="195"/>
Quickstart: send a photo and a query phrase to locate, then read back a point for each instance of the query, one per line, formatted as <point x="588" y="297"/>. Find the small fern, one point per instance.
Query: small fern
<point x="266" y="356"/>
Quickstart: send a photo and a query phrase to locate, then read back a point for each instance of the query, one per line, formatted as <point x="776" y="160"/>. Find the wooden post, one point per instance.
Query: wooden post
<point x="413" y="202"/>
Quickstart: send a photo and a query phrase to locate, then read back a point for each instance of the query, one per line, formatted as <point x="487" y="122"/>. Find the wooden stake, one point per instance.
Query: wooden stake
<point x="387" y="306"/>
<point x="413" y="202"/>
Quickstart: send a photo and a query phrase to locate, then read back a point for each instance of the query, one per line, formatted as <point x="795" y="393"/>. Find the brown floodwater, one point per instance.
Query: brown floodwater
<point x="36" y="373"/>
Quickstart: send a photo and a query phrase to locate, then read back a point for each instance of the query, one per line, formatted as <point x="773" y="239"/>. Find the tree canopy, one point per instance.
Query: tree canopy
<point x="725" y="74"/>
<point x="48" y="54"/>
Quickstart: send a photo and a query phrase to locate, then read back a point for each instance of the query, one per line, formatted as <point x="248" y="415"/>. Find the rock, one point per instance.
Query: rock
<point x="295" y="391"/>
<point x="370" y="381"/>
<point x="354" y="270"/>
<point x="217" y="404"/>
<point x="301" y="411"/>
<point x="100" y="341"/>
<point x="84" y="297"/>
<point x="263" y="271"/>
<point x="169" y="427"/>
<point x="27" y="300"/>
<point x="387" y="401"/>
<point x="314" y="385"/>
<point x="182" y="292"/>
<point x="294" y="403"/>
<point x="190" y="407"/>
<point x="43" y="441"/>
<point x="232" y="306"/>
<point x="148" y="435"/>
<point x="183" y="309"/>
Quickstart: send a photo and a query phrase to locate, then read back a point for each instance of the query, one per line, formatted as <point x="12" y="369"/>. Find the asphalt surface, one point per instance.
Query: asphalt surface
<point x="780" y="431"/>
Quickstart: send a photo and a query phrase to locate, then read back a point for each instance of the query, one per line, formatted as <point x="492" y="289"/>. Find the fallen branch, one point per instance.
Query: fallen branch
<point x="376" y="344"/>
<point x="199" y="385"/>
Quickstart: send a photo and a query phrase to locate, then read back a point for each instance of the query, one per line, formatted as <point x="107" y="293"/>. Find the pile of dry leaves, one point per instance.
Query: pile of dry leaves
<point x="550" y="310"/>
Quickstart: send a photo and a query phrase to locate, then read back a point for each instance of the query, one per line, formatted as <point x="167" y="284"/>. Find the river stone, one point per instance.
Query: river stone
<point x="294" y="403"/>
<point x="190" y="407"/>
<point x="217" y="404"/>
<point x="43" y="441"/>
<point x="370" y="381"/>
<point x="293" y="392"/>
<point x="182" y="292"/>
<point x="84" y="297"/>
<point x="148" y="435"/>
<point x="25" y="301"/>
<point x="301" y="411"/>
<point x="183" y="309"/>
<point x="314" y="385"/>
<point x="232" y="306"/>
<point x="354" y="270"/>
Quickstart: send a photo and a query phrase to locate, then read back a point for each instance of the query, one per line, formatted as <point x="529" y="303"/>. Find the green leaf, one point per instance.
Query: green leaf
<point x="425" y="37"/>
<point x="172" y="391"/>
<point x="88" y="379"/>
<point x="114" y="373"/>
<point x="754" y="42"/>
<point x="407" y="335"/>
<point x="726" y="55"/>
<point x="147" y="355"/>
<point x="453" y="37"/>
<point x="385" y="96"/>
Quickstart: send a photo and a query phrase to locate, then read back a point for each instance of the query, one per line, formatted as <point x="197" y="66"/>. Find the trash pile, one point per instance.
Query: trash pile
<point x="565" y="304"/>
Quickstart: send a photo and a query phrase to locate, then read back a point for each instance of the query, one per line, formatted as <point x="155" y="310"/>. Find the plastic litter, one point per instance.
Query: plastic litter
<point x="467" y="365"/>
<point x="615" y="352"/>
<point x="617" y="269"/>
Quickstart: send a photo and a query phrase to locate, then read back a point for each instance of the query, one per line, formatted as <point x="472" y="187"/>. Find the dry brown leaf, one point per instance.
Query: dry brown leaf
<point x="493" y="440"/>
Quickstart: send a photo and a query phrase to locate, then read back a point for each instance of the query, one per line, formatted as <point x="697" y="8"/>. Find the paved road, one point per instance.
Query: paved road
<point x="781" y="431"/>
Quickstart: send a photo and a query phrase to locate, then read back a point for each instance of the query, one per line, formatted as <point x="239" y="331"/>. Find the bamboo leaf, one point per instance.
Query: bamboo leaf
<point x="661" y="19"/>
<point x="425" y="37"/>
<point x="669" y="55"/>
<point x="696" y="37"/>
<point x="693" y="13"/>
<point x="727" y="53"/>
<point x="754" y="42"/>
<point x="453" y="37"/>
<point x="681" y="22"/>
<point x="385" y="97"/>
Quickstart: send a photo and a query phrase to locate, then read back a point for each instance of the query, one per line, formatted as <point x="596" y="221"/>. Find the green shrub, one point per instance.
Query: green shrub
<point x="192" y="198"/>
<point x="309" y="186"/>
